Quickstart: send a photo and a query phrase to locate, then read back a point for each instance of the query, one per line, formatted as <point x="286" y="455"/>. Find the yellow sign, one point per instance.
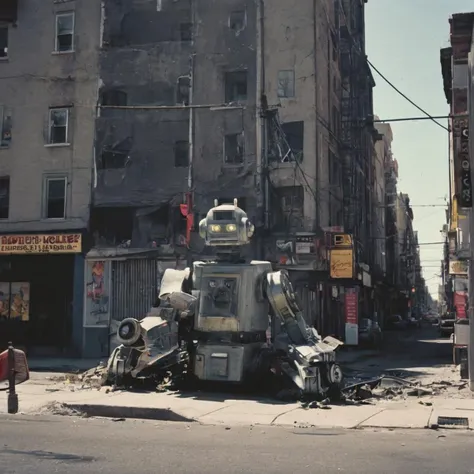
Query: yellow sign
<point x="454" y="214"/>
<point x="342" y="264"/>
<point x="40" y="243"/>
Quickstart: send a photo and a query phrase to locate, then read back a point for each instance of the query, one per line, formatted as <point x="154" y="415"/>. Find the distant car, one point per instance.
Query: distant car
<point x="369" y="333"/>
<point x="413" y="322"/>
<point x="396" y="323"/>
<point x="446" y="324"/>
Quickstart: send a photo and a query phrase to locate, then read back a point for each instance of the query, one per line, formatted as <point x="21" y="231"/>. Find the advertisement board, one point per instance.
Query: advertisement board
<point x="351" y="308"/>
<point x="341" y="263"/>
<point x="40" y="244"/>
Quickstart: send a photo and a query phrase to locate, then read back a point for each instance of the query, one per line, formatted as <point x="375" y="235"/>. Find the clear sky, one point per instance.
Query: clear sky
<point x="403" y="40"/>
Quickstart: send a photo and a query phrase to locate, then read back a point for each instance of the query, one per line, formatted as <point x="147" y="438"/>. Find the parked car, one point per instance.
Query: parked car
<point x="370" y="333"/>
<point x="446" y="323"/>
<point x="396" y="323"/>
<point x="413" y="322"/>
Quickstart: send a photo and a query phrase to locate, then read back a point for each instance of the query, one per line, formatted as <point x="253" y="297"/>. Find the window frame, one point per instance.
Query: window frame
<point x="50" y="127"/>
<point x="229" y="164"/>
<point x="227" y="88"/>
<point x="47" y="180"/>
<point x="6" y="179"/>
<point x="292" y="71"/>
<point x="7" y="29"/>
<point x="56" y="30"/>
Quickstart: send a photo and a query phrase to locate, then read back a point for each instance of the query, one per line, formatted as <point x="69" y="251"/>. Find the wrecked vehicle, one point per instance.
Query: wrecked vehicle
<point x="214" y="318"/>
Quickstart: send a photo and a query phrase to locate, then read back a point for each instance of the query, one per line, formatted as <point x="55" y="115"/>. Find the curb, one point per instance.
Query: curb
<point x="108" y="411"/>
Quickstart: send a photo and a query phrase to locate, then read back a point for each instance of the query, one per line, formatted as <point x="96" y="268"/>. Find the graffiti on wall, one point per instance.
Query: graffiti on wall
<point x="97" y="294"/>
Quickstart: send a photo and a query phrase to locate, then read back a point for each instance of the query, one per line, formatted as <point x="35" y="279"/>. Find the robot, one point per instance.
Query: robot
<point x="216" y="315"/>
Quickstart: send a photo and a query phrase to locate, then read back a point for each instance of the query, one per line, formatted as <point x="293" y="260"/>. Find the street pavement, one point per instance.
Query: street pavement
<point x="46" y="445"/>
<point x="420" y="356"/>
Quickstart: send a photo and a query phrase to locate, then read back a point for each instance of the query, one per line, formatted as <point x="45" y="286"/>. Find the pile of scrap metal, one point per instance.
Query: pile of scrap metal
<point x="213" y="322"/>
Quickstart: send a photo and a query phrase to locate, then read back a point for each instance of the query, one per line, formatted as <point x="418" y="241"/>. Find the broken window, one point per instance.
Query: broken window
<point x="237" y="21"/>
<point x="4" y="197"/>
<point x="58" y="126"/>
<point x="181" y="154"/>
<point x="5" y="128"/>
<point x="112" y="159"/>
<point x="183" y="90"/>
<point x="55" y="197"/>
<point x="111" y="226"/>
<point x="289" y="213"/>
<point x="4" y="42"/>
<point x="114" y="97"/>
<point x="294" y="134"/>
<point x="64" y="32"/>
<point x="234" y="149"/>
<point x="186" y="31"/>
<point x="235" y="86"/>
<point x="286" y="84"/>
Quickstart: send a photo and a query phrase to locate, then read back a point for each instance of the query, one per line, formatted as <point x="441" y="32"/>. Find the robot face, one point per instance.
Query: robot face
<point x="226" y="225"/>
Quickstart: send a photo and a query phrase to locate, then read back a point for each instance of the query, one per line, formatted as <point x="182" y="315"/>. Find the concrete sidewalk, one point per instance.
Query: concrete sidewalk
<point x="42" y="396"/>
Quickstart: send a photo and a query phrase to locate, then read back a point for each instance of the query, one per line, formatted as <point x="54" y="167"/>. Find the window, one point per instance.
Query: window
<point x="181" y="154"/>
<point x="58" y="126"/>
<point x="286" y="84"/>
<point x="183" y="89"/>
<point x="4" y="42"/>
<point x="294" y="134"/>
<point x="4" y="197"/>
<point x="64" y="32"/>
<point x="234" y="149"/>
<point x="5" y="128"/>
<point x="186" y="31"/>
<point x="114" y="97"/>
<point x="55" y="202"/>
<point x="237" y="21"/>
<point x="235" y="86"/>
<point x="113" y="159"/>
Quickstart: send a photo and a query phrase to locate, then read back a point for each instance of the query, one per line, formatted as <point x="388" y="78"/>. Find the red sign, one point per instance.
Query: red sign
<point x="351" y="306"/>
<point x="460" y="298"/>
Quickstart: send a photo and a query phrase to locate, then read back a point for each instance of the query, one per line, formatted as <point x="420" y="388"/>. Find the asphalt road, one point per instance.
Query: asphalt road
<point x="46" y="445"/>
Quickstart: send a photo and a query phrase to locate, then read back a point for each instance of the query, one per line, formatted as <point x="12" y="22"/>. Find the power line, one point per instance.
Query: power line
<point x="412" y="119"/>
<point x="405" y="97"/>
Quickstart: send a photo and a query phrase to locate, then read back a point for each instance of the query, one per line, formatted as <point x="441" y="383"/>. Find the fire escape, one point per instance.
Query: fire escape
<point x="352" y="127"/>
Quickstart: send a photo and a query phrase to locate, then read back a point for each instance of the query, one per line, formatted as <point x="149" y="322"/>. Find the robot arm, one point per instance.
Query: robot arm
<point x="311" y="360"/>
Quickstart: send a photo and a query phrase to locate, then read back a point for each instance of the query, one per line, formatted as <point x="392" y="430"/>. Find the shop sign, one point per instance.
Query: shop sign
<point x="40" y="243"/>
<point x="466" y="183"/>
<point x="458" y="267"/>
<point x="460" y="298"/>
<point x="351" y="316"/>
<point x="341" y="263"/>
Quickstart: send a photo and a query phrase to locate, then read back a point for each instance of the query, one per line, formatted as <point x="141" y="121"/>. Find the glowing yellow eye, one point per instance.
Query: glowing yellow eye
<point x="215" y="228"/>
<point x="230" y="227"/>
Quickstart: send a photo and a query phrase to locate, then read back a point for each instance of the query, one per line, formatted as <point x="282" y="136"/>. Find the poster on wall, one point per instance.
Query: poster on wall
<point x="20" y="301"/>
<point x="352" y="316"/>
<point x="4" y="300"/>
<point x="97" y="294"/>
<point x="15" y="301"/>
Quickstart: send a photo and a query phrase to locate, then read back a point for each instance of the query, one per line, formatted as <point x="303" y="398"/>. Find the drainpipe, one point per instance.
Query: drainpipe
<point x="316" y="105"/>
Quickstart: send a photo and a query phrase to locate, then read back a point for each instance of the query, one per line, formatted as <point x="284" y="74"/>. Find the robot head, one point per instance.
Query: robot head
<point x="226" y="225"/>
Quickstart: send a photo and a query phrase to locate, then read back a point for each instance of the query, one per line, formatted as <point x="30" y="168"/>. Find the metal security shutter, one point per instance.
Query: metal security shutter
<point x="133" y="288"/>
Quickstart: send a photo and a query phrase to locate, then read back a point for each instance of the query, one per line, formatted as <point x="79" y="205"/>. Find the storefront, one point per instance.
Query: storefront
<point x="37" y="291"/>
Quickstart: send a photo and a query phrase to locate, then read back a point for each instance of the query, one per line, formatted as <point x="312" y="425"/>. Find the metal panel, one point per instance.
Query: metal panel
<point x="134" y="288"/>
